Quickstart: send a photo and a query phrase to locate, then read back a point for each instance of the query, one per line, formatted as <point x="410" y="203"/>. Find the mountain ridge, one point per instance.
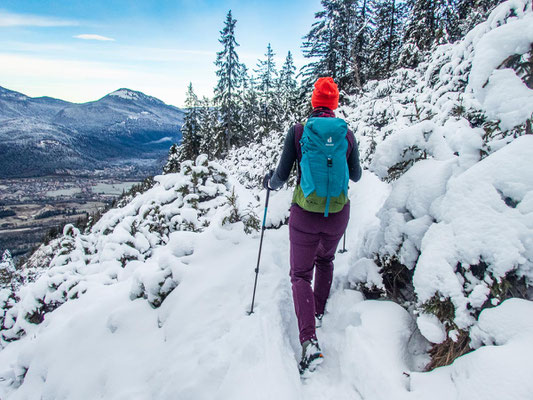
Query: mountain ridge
<point x="124" y="126"/>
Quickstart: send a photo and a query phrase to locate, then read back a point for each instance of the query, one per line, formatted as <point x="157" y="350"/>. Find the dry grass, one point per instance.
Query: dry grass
<point x="448" y="351"/>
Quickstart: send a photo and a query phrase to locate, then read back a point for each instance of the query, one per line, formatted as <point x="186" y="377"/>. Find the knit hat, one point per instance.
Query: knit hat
<point x="326" y="94"/>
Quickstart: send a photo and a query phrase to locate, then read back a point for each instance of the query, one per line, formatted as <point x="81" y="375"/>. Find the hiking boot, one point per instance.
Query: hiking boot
<point x="318" y="320"/>
<point x="311" y="357"/>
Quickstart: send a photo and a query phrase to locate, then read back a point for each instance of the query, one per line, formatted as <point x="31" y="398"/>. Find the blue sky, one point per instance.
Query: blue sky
<point x="81" y="50"/>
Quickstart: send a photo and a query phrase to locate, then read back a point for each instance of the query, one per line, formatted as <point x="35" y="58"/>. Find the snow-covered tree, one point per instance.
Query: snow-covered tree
<point x="173" y="161"/>
<point x="250" y="111"/>
<point x="190" y="145"/>
<point x="7" y="269"/>
<point x="288" y="88"/>
<point x="387" y="37"/>
<point x="429" y="22"/>
<point x="472" y="12"/>
<point x="229" y="77"/>
<point x="210" y="130"/>
<point x="266" y="84"/>
<point x="338" y="43"/>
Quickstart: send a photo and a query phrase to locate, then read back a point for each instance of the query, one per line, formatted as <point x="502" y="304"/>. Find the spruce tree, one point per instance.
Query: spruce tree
<point x="339" y="42"/>
<point x="429" y="22"/>
<point x="358" y="19"/>
<point x="210" y="133"/>
<point x="266" y="84"/>
<point x="473" y="12"/>
<point x="190" y="145"/>
<point x="389" y="18"/>
<point x="250" y="108"/>
<point x="321" y="45"/>
<point x="7" y="270"/>
<point x="288" y="89"/>
<point x="228" y="73"/>
<point x="173" y="161"/>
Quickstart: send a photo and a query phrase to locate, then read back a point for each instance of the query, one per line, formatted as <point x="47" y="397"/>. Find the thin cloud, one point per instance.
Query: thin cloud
<point x="10" y="19"/>
<point x="89" y="36"/>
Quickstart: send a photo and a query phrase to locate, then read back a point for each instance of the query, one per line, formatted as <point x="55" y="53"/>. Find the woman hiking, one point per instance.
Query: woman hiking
<point x="327" y="156"/>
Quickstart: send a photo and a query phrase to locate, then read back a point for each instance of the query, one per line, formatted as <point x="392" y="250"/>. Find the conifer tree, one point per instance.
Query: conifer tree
<point x="173" y="161"/>
<point x="210" y="133"/>
<point x="389" y="18"/>
<point x="228" y="73"/>
<point x="320" y="44"/>
<point x="429" y="22"/>
<point x="250" y="108"/>
<point x="190" y="145"/>
<point x="339" y="42"/>
<point x="287" y="88"/>
<point x="473" y="12"/>
<point x="7" y="270"/>
<point x="266" y="84"/>
<point x="358" y="19"/>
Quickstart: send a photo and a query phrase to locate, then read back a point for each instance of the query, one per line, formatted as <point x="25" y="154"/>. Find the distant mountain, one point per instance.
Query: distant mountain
<point x="43" y="136"/>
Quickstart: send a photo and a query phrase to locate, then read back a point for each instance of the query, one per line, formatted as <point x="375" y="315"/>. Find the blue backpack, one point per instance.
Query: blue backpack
<point x="324" y="168"/>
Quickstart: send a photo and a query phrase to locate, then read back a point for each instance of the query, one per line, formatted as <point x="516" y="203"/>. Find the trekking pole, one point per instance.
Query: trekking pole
<point x="343" y="250"/>
<point x="260" y="247"/>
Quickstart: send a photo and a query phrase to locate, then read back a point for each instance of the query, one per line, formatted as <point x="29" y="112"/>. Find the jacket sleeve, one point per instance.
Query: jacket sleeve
<point x="354" y="167"/>
<point x="288" y="157"/>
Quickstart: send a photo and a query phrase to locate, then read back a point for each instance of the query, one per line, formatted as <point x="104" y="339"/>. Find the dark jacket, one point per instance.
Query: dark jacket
<point x="292" y="152"/>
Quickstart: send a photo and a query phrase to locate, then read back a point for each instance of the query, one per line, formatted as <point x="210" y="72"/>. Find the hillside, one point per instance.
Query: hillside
<point x="151" y="301"/>
<point x="45" y="136"/>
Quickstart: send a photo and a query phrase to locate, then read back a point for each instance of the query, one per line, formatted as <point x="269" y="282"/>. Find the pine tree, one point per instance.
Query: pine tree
<point x="7" y="270"/>
<point x="266" y="84"/>
<point x="359" y="21"/>
<point x="473" y="12"/>
<point x="229" y="79"/>
<point x="288" y="89"/>
<point x="250" y="108"/>
<point x="190" y="145"/>
<point x="320" y="44"/>
<point x="210" y="133"/>
<point x="173" y="161"/>
<point x="429" y="22"/>
<point x="339" y="43"/>
<point x="389" y="18"/>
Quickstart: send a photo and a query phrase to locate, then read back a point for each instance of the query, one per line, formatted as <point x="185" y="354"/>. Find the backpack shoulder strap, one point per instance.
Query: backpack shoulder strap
<point x="351" y="139"/>
<point x="298" y="133"/>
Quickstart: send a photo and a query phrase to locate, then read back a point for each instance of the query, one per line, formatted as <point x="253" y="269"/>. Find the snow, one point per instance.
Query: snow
<point x="431" y="328"/>
<point x="507" y="331"/>
<point x="126" y="94"/>
<point x="201" y="343"/>
<point x="152" y="301"/>
<point x="502" y="92"/>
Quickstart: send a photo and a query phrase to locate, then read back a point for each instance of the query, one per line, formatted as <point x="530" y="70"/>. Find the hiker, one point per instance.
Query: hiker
<point x="320" y="210"/>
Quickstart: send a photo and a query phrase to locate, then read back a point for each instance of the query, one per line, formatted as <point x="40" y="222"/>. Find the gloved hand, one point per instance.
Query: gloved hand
<point x="266" y="179"/>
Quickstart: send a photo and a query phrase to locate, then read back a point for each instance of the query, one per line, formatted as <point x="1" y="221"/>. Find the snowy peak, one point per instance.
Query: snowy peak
<point x="132" y="95"/>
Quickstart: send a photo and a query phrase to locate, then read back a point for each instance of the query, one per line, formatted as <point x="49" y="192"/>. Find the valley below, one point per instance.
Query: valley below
<point x="32" y="208"/>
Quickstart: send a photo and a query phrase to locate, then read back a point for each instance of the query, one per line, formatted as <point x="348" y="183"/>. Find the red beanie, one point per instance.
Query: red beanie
<point x="326" y="94"/>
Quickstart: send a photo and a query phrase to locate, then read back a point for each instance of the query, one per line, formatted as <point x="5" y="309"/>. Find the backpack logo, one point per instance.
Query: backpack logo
<point x="329" y="141"/>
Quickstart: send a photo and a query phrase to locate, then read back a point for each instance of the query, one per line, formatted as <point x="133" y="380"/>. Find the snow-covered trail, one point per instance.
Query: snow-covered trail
<point x="255" y="357"/>
<point x="202" y="344"/>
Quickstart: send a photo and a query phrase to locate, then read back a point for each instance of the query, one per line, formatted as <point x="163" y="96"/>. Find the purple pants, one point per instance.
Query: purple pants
<point x="314" y="239"/>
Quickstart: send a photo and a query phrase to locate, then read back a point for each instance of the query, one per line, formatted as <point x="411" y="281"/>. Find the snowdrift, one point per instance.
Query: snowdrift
<point x="151" y="301"/>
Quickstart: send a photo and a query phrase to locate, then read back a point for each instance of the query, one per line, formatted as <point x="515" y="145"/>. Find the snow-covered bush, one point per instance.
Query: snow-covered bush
<point x="464" y="80"/>
<point x="7" y="269"/>
<point x="250" y="163"/>
<point x="455" y="232"/>
<point x="127" y="240"/>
